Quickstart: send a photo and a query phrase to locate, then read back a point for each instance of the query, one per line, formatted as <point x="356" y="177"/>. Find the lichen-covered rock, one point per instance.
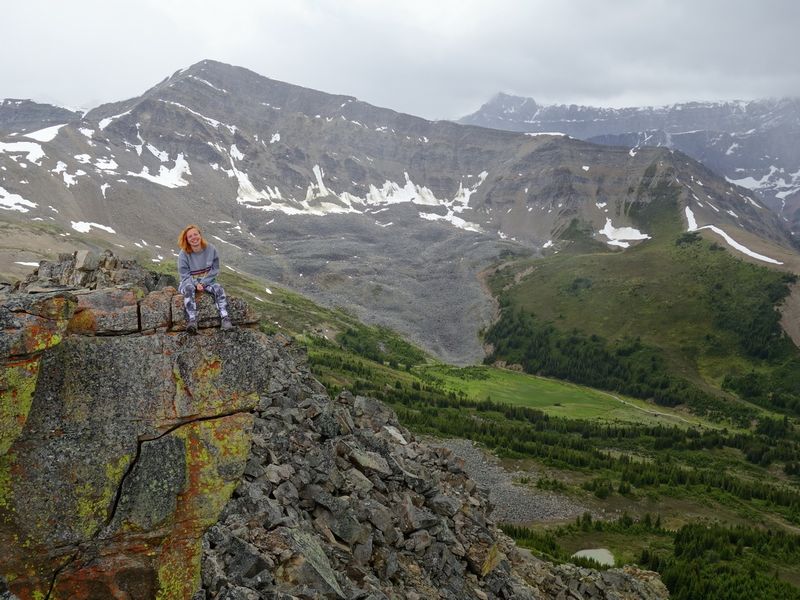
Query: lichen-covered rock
<point x="113" y="311"/>
<point x="117" y="449"/>
<point x="155" y="310"/>
<point x="29" y="325"/>
<point x="207" y="316"/>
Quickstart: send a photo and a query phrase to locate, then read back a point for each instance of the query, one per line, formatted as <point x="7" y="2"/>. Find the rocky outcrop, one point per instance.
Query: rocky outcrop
<point x="89" y="270"/>
<point x="121" y="438"/>
<point x="141" y="462"/>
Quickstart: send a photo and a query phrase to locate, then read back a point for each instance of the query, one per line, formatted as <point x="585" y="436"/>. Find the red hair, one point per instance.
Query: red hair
<point x="184" y="244"/>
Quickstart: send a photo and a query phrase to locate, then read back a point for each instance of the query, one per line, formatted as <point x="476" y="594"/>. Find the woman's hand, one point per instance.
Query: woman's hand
<point x="199" y="287"/>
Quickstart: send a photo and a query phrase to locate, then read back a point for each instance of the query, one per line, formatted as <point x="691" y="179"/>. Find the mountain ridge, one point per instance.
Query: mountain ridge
<point x="751" y="143"/>
<point x="21" y="115"/>
<point x="356" y="205"/>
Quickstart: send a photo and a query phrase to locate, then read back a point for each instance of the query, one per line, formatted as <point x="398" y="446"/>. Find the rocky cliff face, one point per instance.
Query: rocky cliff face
<point x="138" y="462"/>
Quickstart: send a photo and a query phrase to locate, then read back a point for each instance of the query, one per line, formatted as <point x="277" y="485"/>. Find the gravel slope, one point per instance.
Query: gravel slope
<point x="514" y="503"/>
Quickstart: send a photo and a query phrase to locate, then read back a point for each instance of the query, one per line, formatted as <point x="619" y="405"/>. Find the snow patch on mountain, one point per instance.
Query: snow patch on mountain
<point x="48" y="134"/>
<point x="159" y="154"/>
<point x="775" y="180"/>
<point x="171" y="178"/>
<point x="213" y="122"/>
<point x="236" y="153"/>
<point x="208" y="83"/>
<point x="321" y="200"/>
<point x="32" y="151"/>
<point x="9" y="201"/>
<point x="751" y="183"/>
<point x="692" y="226"/>
<point x="106" y="164"/>
<point x="753" y="202"/>
<point x="620" y="236"/>
<point x="108" y="120"/>
<point x="69" y="179"/>
<point x="84" y="227"/>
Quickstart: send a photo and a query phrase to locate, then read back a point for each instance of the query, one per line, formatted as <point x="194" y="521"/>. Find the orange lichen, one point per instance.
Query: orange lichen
<point x="82" y="322"/>
<point x="204" y="496"/>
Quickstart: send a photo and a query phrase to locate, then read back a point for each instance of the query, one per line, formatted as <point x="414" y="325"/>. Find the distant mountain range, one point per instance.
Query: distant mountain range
<point x="385" y="214"/>
<point x="752" y="144"/>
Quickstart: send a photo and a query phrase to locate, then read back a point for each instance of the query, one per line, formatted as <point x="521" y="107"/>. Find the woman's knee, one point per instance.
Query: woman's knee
<point x="217" y="290"/>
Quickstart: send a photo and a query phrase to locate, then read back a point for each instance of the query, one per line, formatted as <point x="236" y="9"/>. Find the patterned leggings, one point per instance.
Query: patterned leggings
<point x="189" y="304"/>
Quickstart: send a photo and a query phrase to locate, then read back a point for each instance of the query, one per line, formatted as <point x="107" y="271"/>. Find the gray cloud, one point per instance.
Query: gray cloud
<point x="436" y="60"/>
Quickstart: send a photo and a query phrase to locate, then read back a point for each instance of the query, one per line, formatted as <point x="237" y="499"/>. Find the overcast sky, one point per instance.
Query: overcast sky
<point x="437" y="59"/>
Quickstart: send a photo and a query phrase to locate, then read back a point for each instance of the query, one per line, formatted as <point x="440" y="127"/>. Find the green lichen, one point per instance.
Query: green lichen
<point x="91" y="506"/>
<point x="45" y="340"/>
<point x="182" y="394"/>
<point x="17" y="384"/>
<point x="223" y="443"/>
<point x="179" y="571"/>
<point x="205" y="384"/>
<point x="114" y="473"/>
<point x="88" y="507"/>
<point x="5" y="482"/>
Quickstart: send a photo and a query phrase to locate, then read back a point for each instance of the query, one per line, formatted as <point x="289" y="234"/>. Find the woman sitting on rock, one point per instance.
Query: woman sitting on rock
<point x="198" y="267"/>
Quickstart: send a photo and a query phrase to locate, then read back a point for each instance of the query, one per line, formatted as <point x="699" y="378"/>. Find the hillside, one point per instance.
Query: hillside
<point x="25" y="116"/>
<point x="676" y="319"/>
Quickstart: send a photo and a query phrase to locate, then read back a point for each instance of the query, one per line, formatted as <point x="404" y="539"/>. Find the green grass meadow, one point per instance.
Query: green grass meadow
<point x="552" y="396"/>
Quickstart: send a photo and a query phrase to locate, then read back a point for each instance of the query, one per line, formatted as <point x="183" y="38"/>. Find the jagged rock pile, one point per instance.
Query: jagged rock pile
<point x="91" y="270"/>
<point x="139" y="462"/>
<point x="339" y="501"/>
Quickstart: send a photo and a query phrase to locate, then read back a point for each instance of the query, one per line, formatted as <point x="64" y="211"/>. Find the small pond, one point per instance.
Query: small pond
<point x="601" y="555"/>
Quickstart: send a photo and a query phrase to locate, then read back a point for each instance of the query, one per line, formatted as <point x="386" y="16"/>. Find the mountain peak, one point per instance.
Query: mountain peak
<point x="283" y="176"/>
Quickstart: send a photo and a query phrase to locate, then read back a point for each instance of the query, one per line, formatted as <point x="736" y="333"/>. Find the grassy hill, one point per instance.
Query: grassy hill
<point x="676" y="319"/>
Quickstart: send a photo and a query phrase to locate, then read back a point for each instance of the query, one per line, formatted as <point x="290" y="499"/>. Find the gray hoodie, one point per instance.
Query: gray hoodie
<point x="201" y="267"/>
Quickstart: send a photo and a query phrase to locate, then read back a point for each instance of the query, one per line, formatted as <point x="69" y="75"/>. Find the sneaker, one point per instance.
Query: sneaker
<point x="191" y="328"/>
<point x="226" y="323"/>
